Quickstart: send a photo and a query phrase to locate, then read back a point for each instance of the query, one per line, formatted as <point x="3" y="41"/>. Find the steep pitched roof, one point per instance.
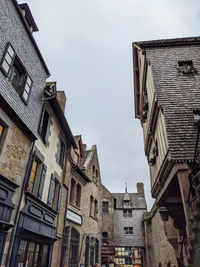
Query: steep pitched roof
<point x="136" y="201"/>
<point x="177" y="94"/>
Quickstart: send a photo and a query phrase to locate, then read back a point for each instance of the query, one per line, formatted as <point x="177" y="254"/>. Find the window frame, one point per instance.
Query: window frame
<point x="39" y="176"/>
<point x="44" y="134"/>
<point x="15" y="60"/>
<point x="127" y="212"/>
<point x="78" y="195"/>
<point x="128" y="230"/>
<point x="61" y="154"/>
<point x="105" y="210"/>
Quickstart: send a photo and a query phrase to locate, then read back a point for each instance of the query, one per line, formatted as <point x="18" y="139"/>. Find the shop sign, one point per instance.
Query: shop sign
<point x="74" y="217"/>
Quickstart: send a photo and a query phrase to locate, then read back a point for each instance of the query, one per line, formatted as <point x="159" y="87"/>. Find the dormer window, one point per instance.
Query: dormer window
<point x="186" y="67"/>
<point x="127" y="203"/>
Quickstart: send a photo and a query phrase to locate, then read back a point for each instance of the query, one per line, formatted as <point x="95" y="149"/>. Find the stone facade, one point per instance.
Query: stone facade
<point x="166" y="84"/>
<point x="84" y="215"/>
<point x="160" y="251"/>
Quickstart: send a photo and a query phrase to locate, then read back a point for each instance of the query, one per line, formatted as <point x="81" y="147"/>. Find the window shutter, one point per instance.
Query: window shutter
<point x="41" y="119"/>
<point x="42" y="179"/>
<point x="52" y="181"/>
<point x="64" y="157"/>
<point x="47" y="131"/>
<point x="59" y="197"/>
<point x="32" y="158"/>
<point x="27" y="88"/>
<point x="58" y="153"/>
<point x="7" y="59"/>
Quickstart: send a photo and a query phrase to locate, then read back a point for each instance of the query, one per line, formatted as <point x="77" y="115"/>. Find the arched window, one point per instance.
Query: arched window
<point x="74" y="248"/>
<point x="78" y="195"/>
<point x="72" y="190"/>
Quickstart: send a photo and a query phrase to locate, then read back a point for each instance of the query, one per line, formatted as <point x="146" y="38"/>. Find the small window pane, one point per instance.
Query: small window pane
<point x="25" y="95"/>
<point x="10" y="51"/>
<point x="27" y="88"/>
<point x="8" y="58"/>
<point x="29" y="81"/>
<point x="5" y="66"/>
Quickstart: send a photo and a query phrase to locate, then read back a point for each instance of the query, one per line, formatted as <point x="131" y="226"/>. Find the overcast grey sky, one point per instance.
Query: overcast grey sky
<point x="87" y="47"/>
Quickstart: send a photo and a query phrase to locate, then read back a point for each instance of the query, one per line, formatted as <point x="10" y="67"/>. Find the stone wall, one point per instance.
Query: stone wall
<point x="159" y="249"/>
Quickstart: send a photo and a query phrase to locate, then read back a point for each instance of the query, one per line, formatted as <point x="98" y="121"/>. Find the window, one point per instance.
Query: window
<point x="128" y="230"/>
<point x="37" y="176"/>
<point x="1" y="131"/>
<point x="186" y="67"/>
<point x="105" y="207"/>
<point x="104" y="237"/>
<point x="55" y="191"/>
<point x="61" y="155"/>
<point x="76" y="157"/>
<point x="127" y="203"/>
<point x="32" y="254"/>
<point x="78" y="195"/>
<point x="74" y="248"/>
<point x="97" y="251"/>
<point x="127" y="213"/>
<point x="120" y="260"/>
<point x="95" y="209"/>
<point x="72" y="191"/>
<point x="44" y="125"/>
<point x="16" y="73"/>
<point x="128" y="261"/>
<point x="91" y="205"/>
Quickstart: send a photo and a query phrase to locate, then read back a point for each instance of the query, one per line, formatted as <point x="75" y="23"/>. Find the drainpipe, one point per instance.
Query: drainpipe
<point x="10" y="246"/>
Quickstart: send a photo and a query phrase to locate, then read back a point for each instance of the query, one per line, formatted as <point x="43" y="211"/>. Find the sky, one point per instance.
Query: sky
<point x="87" y="46"/>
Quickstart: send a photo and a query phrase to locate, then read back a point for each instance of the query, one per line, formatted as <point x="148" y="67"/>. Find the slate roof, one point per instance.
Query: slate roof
<point x="177" y="94"/>
<point x="136" y="201"/>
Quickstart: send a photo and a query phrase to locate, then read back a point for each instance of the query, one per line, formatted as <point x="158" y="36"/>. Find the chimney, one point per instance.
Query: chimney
<point x="61" y="97"/>
<point x="140" y="189"/>
<point x="84" y="147"/>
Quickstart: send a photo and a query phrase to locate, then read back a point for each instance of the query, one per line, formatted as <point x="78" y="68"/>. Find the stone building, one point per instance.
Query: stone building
<point x="158" y="251"/>
<point x="129" y="209"/>
<point x="122" y="229"/>
<point x="83" y="224"/>
<point x="166" y="85"/>
<point x="23" y="73"/>
<point x="107" y="230"/>
<point x="41" y="221"/>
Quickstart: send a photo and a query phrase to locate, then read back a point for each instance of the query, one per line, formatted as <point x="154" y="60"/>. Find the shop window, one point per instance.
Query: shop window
<point x="37" y="177"/>
<point x="44" y="125"/>
<point x="105" y="206"/>
<point x="74" y="248"/>
<point x="128" y="261"/>
<point x="32" y="254"/>
<point x="61" y="155"/>
<point x="78" y="195"/>
<point x="16" y="73"/>
<point x="127" y="213"/>
<point x="128" y="230"/>
<point x="55" y="191"/>
<point x="72" y="191"/>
